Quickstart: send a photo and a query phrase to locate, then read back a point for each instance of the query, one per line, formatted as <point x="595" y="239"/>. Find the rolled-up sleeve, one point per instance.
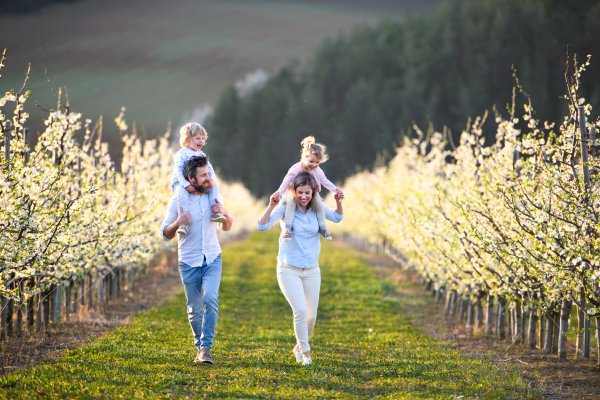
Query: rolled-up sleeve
<point x="332" y="215"/>
<point x="170" y="217"/>
<point x="276" y="215"/>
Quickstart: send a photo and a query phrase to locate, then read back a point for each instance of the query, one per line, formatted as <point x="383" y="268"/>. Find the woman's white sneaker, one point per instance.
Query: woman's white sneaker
<point x="298" y="354"/>
<point x="307" y="361"/>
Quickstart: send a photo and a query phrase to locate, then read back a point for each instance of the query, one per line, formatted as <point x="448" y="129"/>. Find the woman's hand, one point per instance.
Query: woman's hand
<point x="339" y="192"/>
<point x="273" y="201"/>
<point x="338" y="203"/>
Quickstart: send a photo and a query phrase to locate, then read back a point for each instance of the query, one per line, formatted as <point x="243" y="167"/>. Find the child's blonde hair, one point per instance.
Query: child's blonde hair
<point x="190" y="130"/>
<point x="310" y="147"/>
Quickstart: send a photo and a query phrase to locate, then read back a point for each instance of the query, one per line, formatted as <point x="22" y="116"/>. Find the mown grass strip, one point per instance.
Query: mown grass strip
<point x="363" y="345"/>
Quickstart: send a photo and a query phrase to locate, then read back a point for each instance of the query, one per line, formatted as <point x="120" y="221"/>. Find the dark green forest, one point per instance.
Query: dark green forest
<point x="362" y="91"/>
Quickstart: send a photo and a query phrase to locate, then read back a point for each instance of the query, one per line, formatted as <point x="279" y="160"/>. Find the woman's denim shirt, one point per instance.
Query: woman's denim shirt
<point x="304" y="248"/>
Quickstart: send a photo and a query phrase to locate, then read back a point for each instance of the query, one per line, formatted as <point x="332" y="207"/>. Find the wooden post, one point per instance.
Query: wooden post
<point x="8" y="127"/>
<point x="587" y="339"/>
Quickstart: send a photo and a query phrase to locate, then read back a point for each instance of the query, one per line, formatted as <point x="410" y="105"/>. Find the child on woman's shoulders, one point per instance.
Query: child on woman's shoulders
<point x="311" y="155"/>
<point x="192" y="137"/>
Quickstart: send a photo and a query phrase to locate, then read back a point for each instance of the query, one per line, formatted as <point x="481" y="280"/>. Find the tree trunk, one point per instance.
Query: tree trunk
<point x="470" y="315"/>
<point x="461" y="307"/>
<point x="580" y="326"/>
<point x="10" y="317"/>
<point x="438" y="293"/>
<point x="3" y="307"/>
<point x="523" y="323"/>
<point x="500" y="325"/>
<point x="556" y="333"/>
<point x="598" y="337"/>
<point x="489" y="316"/>
<point x="478" y="314"/>
<point x="20" y="306"/>
<point x="549" y="330"/>
<point x="452" y="306"/>
<point x="509" y="326"/>
<point x="532" y="324"/>
<point x="564" y="328"/>
<point x="518" y="325"/>
<point x="542" y="329"/>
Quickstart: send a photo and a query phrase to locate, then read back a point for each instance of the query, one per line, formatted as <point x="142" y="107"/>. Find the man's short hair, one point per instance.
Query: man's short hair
<point x="192" y="166"/>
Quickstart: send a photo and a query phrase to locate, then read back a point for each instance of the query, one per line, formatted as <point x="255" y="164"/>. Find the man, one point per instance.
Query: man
<point x="199" y="255"/>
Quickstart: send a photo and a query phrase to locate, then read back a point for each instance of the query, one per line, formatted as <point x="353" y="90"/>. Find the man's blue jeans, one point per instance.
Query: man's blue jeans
<point x="201" y="285"/>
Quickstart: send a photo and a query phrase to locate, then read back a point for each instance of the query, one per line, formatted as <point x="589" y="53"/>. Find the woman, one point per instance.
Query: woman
<point x="298" y="271"/>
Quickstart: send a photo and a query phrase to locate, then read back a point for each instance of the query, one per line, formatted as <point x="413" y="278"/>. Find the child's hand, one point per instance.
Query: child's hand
<point x="211" y="183"/>
<point x="338" y="197"/>
<point x="275" y="199"/>
<point x="339" y="192"/>
<point x="190" y="189"/>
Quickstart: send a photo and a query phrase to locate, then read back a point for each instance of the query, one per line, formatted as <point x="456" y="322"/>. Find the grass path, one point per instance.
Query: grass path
<point x="363" y="346"/>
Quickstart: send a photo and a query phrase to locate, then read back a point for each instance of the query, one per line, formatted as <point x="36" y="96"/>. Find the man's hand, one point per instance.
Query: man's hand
<point x="190" y="189"/>
<point x="218" y="208"/>
<point x="183" y="218"/>
<point x="275" y="199"/>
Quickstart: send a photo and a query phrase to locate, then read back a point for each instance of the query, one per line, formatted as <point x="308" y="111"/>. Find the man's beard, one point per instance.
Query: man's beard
<point x="201" y="189"/>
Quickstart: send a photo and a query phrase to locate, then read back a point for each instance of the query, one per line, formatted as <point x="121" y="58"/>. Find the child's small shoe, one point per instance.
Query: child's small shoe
<point x="287" y="235"/>
<point x="326" y="234"/>
<point x="218" y="217"/>
<point x="182" y="230"/>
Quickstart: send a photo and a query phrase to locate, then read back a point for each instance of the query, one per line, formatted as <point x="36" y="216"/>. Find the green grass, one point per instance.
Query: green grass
<point x="363" y="345"/>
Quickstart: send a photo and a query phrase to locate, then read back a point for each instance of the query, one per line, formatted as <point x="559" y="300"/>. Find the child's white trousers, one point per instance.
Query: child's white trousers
<point x="301" y="287"/>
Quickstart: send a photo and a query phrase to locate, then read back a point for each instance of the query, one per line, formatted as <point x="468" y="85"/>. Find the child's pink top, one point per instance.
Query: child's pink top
<point x="317" y="173"/>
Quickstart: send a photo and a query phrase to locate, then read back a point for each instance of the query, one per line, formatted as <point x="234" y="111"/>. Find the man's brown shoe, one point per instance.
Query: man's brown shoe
<point x="204" y="357"/>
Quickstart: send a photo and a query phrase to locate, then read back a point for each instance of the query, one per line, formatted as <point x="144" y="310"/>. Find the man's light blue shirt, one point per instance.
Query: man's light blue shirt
<point x="304" y="248"/>
<point x="201" y="240"/>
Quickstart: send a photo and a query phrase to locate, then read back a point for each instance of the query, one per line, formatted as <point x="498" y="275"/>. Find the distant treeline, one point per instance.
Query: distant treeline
<point x="363" y="91"/>
<point x="25" y="6"/>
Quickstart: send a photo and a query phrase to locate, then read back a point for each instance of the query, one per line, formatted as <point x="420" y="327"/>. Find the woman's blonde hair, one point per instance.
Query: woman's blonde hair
<point x="310" y="147"/>
<point x="304" y="179"/>
<point x="190" y="130"/>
